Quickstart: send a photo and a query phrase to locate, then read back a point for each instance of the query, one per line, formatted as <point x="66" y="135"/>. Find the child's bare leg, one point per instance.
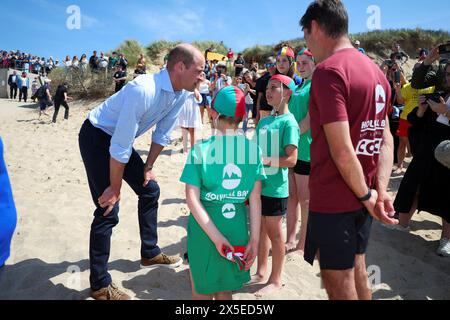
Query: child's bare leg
<point x="293" y="214"/>
<point x="303" y="196"/>
<point x="401" y="152"/>
<point x="227" y="295"/>
<point x="275" y="233"/>
<point x="195" y="295"/>
<point x="184" y="133"/>
<point x="263" y="254"/>
<point x="213" y="130"/>
<point x="202" y="113"/>
<point x="192" y="134"/>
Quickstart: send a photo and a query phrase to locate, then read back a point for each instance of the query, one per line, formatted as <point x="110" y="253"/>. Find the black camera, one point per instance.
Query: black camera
<point x="436" y="96"/>
<point x="397" y="76"/>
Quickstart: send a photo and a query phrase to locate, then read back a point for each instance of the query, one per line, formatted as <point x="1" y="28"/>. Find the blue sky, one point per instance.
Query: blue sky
<point x="39" y="26"/>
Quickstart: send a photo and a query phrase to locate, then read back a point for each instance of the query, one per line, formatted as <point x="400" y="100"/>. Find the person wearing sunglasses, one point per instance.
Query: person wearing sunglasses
<point x="263" y="109"/>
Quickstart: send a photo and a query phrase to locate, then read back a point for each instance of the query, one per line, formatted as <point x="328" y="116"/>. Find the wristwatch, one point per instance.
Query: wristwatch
<point x="366" y="197"/>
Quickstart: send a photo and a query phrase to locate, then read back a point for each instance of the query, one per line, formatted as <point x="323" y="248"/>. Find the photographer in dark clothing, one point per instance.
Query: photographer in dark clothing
<point x="61" y="98"/>
<point x="426" y="75"/>
<point x="426" y="183"/>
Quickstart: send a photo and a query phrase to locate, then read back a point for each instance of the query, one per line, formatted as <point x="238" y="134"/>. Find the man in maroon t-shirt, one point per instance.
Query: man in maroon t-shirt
<point x="351" y="152"/>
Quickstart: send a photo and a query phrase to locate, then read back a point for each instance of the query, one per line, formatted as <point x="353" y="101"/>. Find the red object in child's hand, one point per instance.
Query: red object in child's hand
<point x="237" y="256"/>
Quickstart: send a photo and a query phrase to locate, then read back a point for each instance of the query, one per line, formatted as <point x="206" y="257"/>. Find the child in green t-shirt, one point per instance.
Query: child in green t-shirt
<point x="220" y="175"/>
<point x="299" y="176"/>
<point x="278" y="136"/>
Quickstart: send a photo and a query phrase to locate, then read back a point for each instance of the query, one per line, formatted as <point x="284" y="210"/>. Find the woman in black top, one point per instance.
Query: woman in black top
<point x="426" y="184"/>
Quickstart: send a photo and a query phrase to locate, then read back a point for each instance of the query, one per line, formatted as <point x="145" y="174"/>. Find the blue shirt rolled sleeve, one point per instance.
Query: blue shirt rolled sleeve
<point x="126" y="129"/>
<point x="165" y="127"/>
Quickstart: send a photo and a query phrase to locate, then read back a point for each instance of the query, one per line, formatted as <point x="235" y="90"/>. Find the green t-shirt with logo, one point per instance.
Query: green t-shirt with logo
<point x="225" y="168"/>
<point x="274" y="134"/>
<point x="299" y="107"/>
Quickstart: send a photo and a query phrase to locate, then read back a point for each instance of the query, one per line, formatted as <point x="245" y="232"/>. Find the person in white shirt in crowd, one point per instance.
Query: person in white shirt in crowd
<point x="204" y="90"/>
<point x="189" y="119"/>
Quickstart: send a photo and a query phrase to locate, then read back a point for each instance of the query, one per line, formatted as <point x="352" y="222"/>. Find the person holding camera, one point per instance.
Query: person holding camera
<point x="246" y="89"/>
<point x="426" y="183"/>
<point x="220" y="79"/>
<point x="426" y="75"/>
<point x="409" y="97"/>
<point x="423" y="53"/>
<point x="396" y="78"/>
<point x="251" y="99"/>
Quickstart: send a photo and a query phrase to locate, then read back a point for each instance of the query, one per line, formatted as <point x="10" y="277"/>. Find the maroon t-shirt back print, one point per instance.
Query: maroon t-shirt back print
<point x="347" y="86"/>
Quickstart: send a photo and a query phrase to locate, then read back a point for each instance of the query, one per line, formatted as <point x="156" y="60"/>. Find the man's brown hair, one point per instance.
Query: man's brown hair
<point x="331" y="15"/>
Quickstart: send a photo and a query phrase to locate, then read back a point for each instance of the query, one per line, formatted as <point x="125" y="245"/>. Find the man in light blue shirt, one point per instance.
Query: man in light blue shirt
<point x="106" y="144"/>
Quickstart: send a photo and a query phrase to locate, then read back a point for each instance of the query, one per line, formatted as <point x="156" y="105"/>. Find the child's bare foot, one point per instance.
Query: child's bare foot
<point x="399" y="170"/>
<point x="290" y="246"/>
<point x="256" y="279"/>
<point x="295" y="255"/>
<point x="269" y="289"/>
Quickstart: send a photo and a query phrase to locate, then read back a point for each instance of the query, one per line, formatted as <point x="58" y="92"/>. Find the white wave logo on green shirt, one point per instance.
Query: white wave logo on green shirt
<point x="229" y="211"/>
<point x="231" y="177"/>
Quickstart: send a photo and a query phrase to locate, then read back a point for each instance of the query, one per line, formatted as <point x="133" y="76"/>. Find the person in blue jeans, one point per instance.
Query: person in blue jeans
<point x="8" y="215"/>
<point x="106" y="144"/>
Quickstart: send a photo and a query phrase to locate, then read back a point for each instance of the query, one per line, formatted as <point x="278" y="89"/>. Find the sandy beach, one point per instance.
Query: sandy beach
<point x="49" y="254"/>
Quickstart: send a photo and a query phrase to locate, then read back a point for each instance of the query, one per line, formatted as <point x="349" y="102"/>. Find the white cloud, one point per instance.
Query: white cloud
<point x="174" y="24"/>
<point x="88" y="21"/>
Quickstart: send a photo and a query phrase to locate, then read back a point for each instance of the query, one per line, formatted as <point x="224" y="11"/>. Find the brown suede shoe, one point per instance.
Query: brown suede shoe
<point x="112" y="292"/>
<point x="162" y="260"/>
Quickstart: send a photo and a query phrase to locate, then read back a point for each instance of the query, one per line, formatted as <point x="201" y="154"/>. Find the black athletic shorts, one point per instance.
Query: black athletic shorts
<point x="302" y="168"/>
<point x="338" y="238"/>
<point x="274" y="207"/>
